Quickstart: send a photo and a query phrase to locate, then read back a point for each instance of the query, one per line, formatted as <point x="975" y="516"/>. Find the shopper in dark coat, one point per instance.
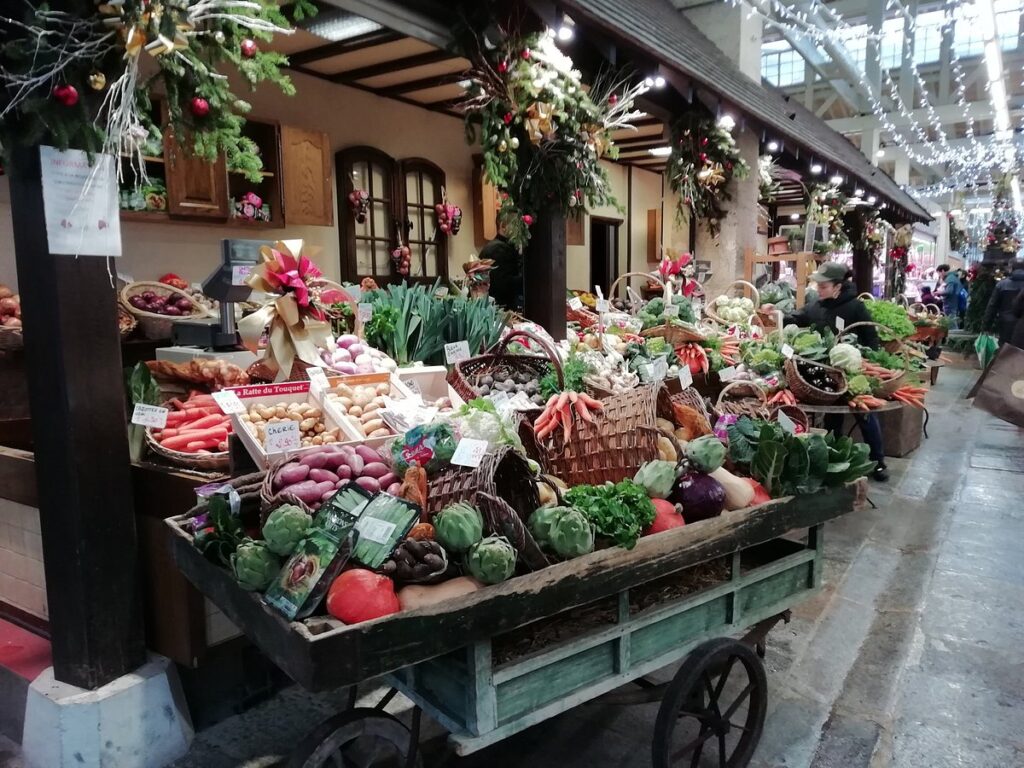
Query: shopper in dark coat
<point x="838" y="299"/>
<point x="1000" y="317"/>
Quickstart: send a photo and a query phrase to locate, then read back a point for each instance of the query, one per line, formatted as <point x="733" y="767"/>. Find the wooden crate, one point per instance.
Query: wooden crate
<point x="322" y="653"/>
<point x="481" y="701"/>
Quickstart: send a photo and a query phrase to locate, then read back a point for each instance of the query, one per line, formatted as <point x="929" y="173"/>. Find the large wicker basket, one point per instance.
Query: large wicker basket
<point x="625" y="276"/>
<point x="745" y="405"/>
<point x="610" y="449"/>
<point x="208" y="461"/>
<point x="503" y="473"/>
<point x="805" y="393"/>
<point x="156" y="326"/>
<point x="690" y="398"/>
<point x="498" y="362"/>
<point x="888" y="386"/>
<point x="709" y="307"/>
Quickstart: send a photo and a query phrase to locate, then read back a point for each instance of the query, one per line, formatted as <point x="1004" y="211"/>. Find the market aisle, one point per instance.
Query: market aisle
<point x="909" y="658"/>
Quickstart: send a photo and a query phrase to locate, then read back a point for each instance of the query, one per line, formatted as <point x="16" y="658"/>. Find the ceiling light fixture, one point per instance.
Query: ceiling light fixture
<point x="773" y="146"/>
<point x="872" y="199"/>
<point x="794" y="217"/>
<point x="816" y="168"/>
<point x="858" y="192"/>
<point x="880" y="153"/>
<point x="660" y="151"/>
<point x="836" y="180"/>
<point x="727" y="121"/>
<point x="659" y="82"/>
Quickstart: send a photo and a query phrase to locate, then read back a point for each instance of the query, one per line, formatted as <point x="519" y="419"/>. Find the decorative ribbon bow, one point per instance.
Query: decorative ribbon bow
<point x="296" y="325"/>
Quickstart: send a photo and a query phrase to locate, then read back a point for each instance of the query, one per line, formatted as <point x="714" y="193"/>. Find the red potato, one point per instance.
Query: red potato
<point x="336" y="461"/>
<point x="291" y="474"/>
<point x="388" y="480"/>
<point x="375" y="470"/>
<point x="323" y="476"/>
<point x="394" y="488"/>
<point x="315" y="460"/>
<point x="368" y="484"/>
<point x="344" y="472"/>
<point x="367" y="454"/>
<point x="355" y="463"/>
<point x="307" y="491"/>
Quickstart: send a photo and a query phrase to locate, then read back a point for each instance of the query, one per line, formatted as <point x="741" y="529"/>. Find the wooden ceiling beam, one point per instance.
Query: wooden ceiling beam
<point x="369" y="40"/>
<point x="394" y="65"/>
<point x="449" y="78"/>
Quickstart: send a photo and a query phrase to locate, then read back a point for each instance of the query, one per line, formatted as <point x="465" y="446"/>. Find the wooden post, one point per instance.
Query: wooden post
<point x="544" y="273"/>
<point x="76" y="395"/>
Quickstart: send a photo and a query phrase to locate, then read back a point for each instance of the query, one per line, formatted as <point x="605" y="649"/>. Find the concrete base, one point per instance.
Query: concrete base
<point x="137" y="721"/>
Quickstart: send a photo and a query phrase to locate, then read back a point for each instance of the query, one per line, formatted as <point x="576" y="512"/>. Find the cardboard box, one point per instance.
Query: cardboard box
<point x="430" y="382"/>
<point x="272" y="394"/>
<point x="397" y="391"/>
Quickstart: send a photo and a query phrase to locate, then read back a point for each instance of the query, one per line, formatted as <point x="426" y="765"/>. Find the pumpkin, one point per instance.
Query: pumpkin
<point x="361" y="595"/>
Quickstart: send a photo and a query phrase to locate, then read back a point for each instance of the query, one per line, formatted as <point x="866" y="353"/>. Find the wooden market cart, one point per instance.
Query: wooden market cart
<point x="492" y="663"/>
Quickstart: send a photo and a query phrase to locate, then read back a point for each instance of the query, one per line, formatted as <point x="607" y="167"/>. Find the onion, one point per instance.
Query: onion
<point x="148" y="295"/>
<point x="170" y="310"/>
<point x="185" y="305"/>
<point x="138" y="302"/>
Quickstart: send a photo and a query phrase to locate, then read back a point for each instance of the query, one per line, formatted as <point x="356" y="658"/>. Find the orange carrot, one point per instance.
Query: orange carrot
<point x="205" y="422"/>
<point x="181" y="441"/>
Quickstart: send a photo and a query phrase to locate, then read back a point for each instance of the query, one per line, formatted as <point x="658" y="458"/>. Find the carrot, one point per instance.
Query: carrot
<point x="176" y="418"/>
<point x="566" y="415"/>
<point x="177" y="443"/>
<point x="200" y="401"/>
<point x="178" y="405"/>
<point x="205" y="422"/>
<point x="546" y="430"/>
<point x="200" y="445"/>
<point x="581" y="409"/>
<point x="591" y="403"/>
<point x="562" y="400"/>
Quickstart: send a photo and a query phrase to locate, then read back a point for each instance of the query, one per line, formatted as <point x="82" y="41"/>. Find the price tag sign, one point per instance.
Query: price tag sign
<point x="603" y="306"/>
<point x="365" y="312"/>
<point x="787" y="351"/>
<point x="502" y="402"/>
<point x="375" y="530"/>
<point x="149" y="416"/>
<point x="239" y="273"/>
<point x="728" y="374"/>
<point x="787" y="424"/>
<point x="413" y="386"/>
<point x="456" y="352"/>
<point x="576" y="303"/>
<point x="282" y="436"/>
<point x="840" y="323"/>
<point x="659" y="370"/>
<point x="698" y="305"/>
<point x="672" y="310"/>
<point x="469" y="452"/>
<point x="441" y="292"/>
<point x="685" y="377"/>
<point x="317" y="378"/>
<point x="228" y="402"/>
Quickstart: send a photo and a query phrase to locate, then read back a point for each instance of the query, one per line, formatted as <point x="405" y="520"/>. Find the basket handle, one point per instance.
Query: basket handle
<point x="913" y="308"/>
<point x="903" y="347"/>
<point x="752" y="287"/>
<point x="866" y="295"/>
<point x="672" y="439"/>
<point x="546" y="479"/>
<point x="937" y="309"/>
<point x="502" y="346"/>
<point x="732" y="384"/>
<point x="626" y="275"/>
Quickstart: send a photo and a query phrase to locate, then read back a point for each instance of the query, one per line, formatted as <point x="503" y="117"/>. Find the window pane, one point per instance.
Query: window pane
<point x="359" y="175"/>
<point x="380" y="189"/>
<point x="412" y="188"/>
<point x="364" y="257"/>
<point x="380" y="222"/>
<point x="429" y="197"/>
<point x="431" y="262"/>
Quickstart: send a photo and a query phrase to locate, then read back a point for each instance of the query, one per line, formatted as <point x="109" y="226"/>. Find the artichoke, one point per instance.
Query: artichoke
<point x="491" y="560"/>
<point x="572" y="534"/>
<point x="458" y="527"/>
<point x="657" y="477"/>
<point x="706" y="454"/>
<point x="542" y="520"/>
<point x="285" y="528"/>
<point x="254" y="565"/>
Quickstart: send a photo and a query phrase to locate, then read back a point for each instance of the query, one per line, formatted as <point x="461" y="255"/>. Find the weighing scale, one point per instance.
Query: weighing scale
<point x="218" y="337"/>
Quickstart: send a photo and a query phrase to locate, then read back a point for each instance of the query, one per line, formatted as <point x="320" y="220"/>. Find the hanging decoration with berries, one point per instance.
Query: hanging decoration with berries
<point x="449" y="217"/>
<point x="83" y="80"/>
<point x="401" y="254"/>
<point x="359" y="204"/>
<point x="542" y="133"/>
<point x="703" y="161"/>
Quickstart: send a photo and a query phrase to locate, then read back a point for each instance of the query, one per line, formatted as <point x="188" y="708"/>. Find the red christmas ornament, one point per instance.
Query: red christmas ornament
<point x="526" y="53"/>
<point x="66" y="95"/>
<point x="613" y="99"/>
<point x="704" y="141"/>
<point x="507" y="118"/>
<point x="200" y="107"/>
<point x="248" y="48"/>
<point x="527" y="219"/>
<point x="703" y="157"/>
<point x="503" y="67"/>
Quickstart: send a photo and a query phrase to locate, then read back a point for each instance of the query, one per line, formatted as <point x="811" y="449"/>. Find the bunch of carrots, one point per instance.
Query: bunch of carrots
<point x="782" y="397"/>
<point x="910" y="396"/>
<point x="694" y="356"/>
<point x="196" y="425"/>
<point x="730" y="350"/>
<point x="871" y="369"/>
<point x="559" y="410"/>
<point x="865" y="403"/>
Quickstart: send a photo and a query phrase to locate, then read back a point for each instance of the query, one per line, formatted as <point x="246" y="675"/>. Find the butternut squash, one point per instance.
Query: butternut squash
<point x="421" y="595"/>
<point x="738" y="494"/>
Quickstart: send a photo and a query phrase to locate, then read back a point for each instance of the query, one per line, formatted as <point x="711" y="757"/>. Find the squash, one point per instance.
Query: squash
<point x="738" y="493"/>
<point x="666" y="451"/>
<point x="423" y="595"/>
<point x="665" y="425"/>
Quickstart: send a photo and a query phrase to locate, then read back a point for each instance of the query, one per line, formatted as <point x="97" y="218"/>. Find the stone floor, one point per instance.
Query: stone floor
<point x="908" y="658"/>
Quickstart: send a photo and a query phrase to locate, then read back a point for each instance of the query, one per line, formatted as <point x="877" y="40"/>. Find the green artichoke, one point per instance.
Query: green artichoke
<point x="572" y="534"/>
<point x="491" y="560"/>
<point x="542" y="520"/>
<point x="706" y="454"/>
<point x="657" y="477"/>
<point x="286" y="526"/>
<point x="254" y="565"/>
<point x="458" y="527"/>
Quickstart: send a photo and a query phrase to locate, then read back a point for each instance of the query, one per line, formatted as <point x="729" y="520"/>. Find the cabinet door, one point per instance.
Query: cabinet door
<point x="306" y="177"/>
<point x="195" y="187"/>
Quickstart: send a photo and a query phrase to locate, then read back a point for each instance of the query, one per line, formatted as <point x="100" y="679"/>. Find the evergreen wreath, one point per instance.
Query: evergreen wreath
<point x="704" y="160"/>
<point x="82" y="77"/>
<point x="541" y="132"/>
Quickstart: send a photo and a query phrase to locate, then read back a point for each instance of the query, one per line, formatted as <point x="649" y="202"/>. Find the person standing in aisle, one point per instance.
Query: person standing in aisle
<point x="927" y="297"/>
<point x="949" y="290"/>
<point x="507" y="274"/>
<point x="837" y="298"/>
<point x="1000" y="317"/>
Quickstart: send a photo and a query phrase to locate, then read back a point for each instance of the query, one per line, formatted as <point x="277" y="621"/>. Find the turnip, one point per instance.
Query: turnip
<point x="363" y="359"/>
<point x="346" y="340"/>
<point x="347" y="368"/>
<point x="356" y="349"/>
<point x="342" y="356"/>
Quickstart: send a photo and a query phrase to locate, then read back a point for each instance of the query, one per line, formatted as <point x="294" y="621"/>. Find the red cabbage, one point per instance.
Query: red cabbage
<point x="702" y="496"/>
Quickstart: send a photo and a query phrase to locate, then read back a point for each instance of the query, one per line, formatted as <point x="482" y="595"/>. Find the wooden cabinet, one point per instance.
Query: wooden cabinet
<point x="195" y="188"/>
<point x="306" y="174"/>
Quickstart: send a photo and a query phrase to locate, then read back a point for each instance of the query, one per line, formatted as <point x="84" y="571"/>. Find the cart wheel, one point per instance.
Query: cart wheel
<point x="713" y="711"/>
<point x="358" y="738"/>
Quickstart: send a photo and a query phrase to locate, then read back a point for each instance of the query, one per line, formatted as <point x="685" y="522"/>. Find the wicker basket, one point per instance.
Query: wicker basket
<point x="691" y="399"/>
<point x="503" y="473"/>
<point x="625" y="276"/>
<point x="126" y="322"/>
<point x="156" y="326"/>
<point x="806" y="393"/>
<point x="219" y="460"/>
<point x="11" y="339"/>
<point x="610" y="449"/>
<point x="756" y="407"/>
<point x="584" y="317"/>
<point x="898" y="347"/>
<point x="675" y="334"/>
<point x="709" y="307"/>
<point x="796" y="414"/>
<point x="260" y="373"/>
<point x="497" y="361"/>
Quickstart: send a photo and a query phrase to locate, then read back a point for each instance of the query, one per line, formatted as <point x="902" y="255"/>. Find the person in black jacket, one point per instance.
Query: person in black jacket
<point x="837" y="298"/>
<point x="999" y="314"/>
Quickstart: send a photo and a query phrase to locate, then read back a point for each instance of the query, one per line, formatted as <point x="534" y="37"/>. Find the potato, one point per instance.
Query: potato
<point x="373" y="425"/>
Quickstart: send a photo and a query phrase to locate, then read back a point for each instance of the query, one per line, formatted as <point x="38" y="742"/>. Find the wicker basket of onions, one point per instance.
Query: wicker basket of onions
<point x="156" y="306"/>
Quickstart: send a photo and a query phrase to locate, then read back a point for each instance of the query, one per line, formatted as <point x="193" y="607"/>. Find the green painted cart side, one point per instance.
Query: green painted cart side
<point x="480" y="702"/>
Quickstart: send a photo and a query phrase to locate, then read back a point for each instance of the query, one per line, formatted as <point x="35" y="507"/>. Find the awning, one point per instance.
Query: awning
<point x="664" y="34"/>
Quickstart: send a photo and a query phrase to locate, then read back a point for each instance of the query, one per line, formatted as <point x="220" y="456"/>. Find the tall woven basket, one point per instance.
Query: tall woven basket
<point x="889" y="385"/>
<point x="497" y="362"/>
<point x="610" y="449"/>
<point x="811" y="395"/>
<point x="503" y="473"/>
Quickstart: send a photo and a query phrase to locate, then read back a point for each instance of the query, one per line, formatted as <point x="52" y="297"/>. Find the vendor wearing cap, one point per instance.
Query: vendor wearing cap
<point x="837" y="298"/>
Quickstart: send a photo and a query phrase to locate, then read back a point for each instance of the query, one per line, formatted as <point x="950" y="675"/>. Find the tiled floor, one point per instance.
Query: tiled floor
<point x="909" y="658"/>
